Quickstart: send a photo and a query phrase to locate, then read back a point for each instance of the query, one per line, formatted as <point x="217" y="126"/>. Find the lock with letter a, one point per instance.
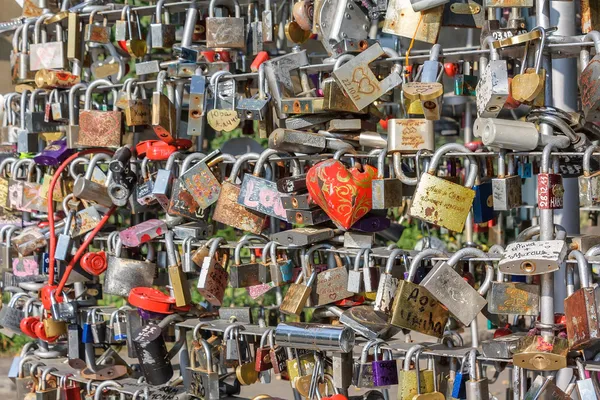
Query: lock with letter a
<point x="492" y="88"/>
<point x="451" y="202"/>
<point x="359" y="82"/>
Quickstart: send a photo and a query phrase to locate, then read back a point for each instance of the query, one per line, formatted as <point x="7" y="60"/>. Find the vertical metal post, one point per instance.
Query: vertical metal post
<point x="546" y="216"/>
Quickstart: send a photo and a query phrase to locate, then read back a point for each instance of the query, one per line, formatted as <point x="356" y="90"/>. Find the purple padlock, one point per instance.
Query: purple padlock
<point x="372" y="223"/>
<point x="54" y="154"/>
<point x="385" y="371"/>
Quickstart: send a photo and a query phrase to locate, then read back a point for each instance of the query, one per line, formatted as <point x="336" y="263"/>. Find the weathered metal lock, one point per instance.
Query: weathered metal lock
<point x="213" y="278"/>
<point x="11" y="318"/>
<point x="97" y="33"/>
<point x="35" y="119"/>
<point x="355" y="275"/>
<point x="136" y="235"/>
<point x="64" y="242"/>
<point x="197" y="107"/>
<point x="331" y="284"/>
<point x="410" y="135"/>
<point x="362" y="376"/>
<point x="228" y="211"/>
<point x="247" y="274"/>
<point x="446" y="285"/>
<point x="589" y="183"/>
<point x="414" y="307"/>
<point x="588" y="81"/>
<point x="58" y="110"/>
<point x="200" y="182"/>
<point x="225" y="32"/>
<point x="86" y="188"/>
<point x="204" y="382"/>
<point x="513" y="298"/>
<point x="544" y="387"/>
<point x="163" y="34"/>
<point x="297" y="295"/>
<point x="97" y="326"/>
<point x="402" y="20"/>
<point x="353" y="22"/>
<point x="334" y="97"/>
<point x="163" y="112"/>
<point x="413" y="382"/>
<point x="256" y="108"/>
<point x="280" y="72"/>
<point x="138" y="111"/>
<point x="388" y="284"/>
<point x="64" y="311"/>
<point x="164" y="179"/>
<point x="47" y="55"/>
<point x="477" y="385"/>
<point x="506" y="189"/>
<point x="144" y="190"/>
<point x="359" y="82"/>
<point x="529" y="83"/>
<point x="451" y="201"/>
<point x="387" y="192"/>
<point x="581" y="306"/>
<point x="177" y="278"/>
<point x="99" y="128"/>
<point x="122" y="24"/>
<point x="541" y="353"/>
<point x="25" y="75"/>
<point x="124" y="274"/>
<point x="281" y="269"/>
<point x="260" y="194"/>
<point x="116" y="330"/>
<point x="492" y="89"/>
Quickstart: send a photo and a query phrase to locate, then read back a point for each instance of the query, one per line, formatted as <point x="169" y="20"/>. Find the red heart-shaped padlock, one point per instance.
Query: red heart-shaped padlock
<point x="343" y="193"/>
<point x="94" y="263"/>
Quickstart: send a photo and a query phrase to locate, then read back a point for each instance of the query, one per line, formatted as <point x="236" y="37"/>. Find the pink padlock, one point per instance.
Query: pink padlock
<point x="142" y="233"/>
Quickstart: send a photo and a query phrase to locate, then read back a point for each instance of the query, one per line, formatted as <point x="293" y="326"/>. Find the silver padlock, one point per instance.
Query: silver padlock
<point x="225" y="32"/>
<point x="492" y="88"/>
<point x="533" y="258"/>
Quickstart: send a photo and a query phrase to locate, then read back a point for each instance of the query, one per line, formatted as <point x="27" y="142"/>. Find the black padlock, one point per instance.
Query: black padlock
<point x="153" y="355"/>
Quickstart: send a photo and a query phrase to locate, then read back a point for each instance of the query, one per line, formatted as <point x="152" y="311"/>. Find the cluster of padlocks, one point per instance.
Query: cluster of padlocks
<point x="144" y="255"/>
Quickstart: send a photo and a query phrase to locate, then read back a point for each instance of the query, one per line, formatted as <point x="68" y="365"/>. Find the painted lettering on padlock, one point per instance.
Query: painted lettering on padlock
<point x="23" y="266"/>
<point x="415" y="308"/>
<point x="262" y="196"/>
<point x="550" y="191"/>
<point x="223" y="120"/>
<point x="515" y="299"/>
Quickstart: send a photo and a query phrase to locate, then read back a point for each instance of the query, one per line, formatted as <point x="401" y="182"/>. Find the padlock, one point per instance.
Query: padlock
<point x="163" y="112"/>
<point x="246" y="274"/>
<point x="97" y="33"/>
<point x="97" y="327"/>
<point x="47" y="55"/>
<point x="541" y="353"/>
<point x="256" y="108"/>
<point x="161" y="189"/>
<point x="529" y="83"/>
<point x="279" y="72"/>
<point x="47" y="390"/>
<point x="177" y="277"/>
<point x="200" y="181"/>
<point x="263" y="361"/>
<point x="385" y="371"/>
<point x="506" y="189"/>
<point x="69" y="391"/>
<point x="204" y="382"/>
<point x="62" y="311"/>
<point x="477" y="385"/>
<point x="123" y="274"/>
<point x="116" y="330"/>
<point x="332" y="283"/>
<point x="297" y="295"/>
<point x="355" y="275"/>
<point x="133" y="43"/>
<point x="25" y="74"/>
<point x="56" y="110"/>
<point x="35" y="119"/>
<point x="448" y="287"/>
<point x="138" y="110"/>
<point x="99" y="128"/>
<point x="86" y="188"/>
<point x="354" y="22"/>
<point x="533" y="257"/>
<point x="64" y="243"/>
<point x="213" y="278"/>
<point x="452" y="201"/>
<point x="580" y="305"/>
<point x="335" y="98"/>
<point x="153" y="355"/>
<point x="402" y="20"/>
<point x="11" y="318"/>
<point x="387" y="192"/>
<point x="492" y="89"/>
<point x="368" y="88"/>
<point x="197" y="107"/>
<point x="388" y="284"/>
<point x="545" y="387"/>
<point x="412" y="382"/>
<point x="281" y="270"/>
<point x="260" y="194"/>
<point x="163" y="34"/>
<point x="225" y="32"/>
<point x="513" y="298"/>
<point x="414" y="307"/>
<point x="223" y="116"/>
<point x="589" y="183"/>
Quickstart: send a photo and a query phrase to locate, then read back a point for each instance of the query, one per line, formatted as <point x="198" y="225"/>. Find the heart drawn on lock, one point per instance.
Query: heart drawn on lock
<point x="343" y="193"/>
<point x="365" y="85"/>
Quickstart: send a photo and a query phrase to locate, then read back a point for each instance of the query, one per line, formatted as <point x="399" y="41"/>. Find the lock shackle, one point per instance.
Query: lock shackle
<point x="529" y="233"/>
<point x="273" y="251"/>
<point x="308" y="257"/>
<point x="545" y="166"/>
<point x="214" y="245"/>
<point x="170" y="245"/>
<point x="159" y="11"/>
<point x="188" y="160"/>
<point x="381" y="157"/>
<point x="106" y="385"/>
<point x="37" y="28"/>
<point x="63" y="380"/>
<point x="90" y="88"/>
<point x="584" y="270"/>
<point x="144" y="168"/>
<point x="15" y="39"/>
<point x="13" y="300"/>
<point x="72" y="92"/>
<point x="29" y="306"/>
<point x="171" y="160"/>
<point x="32" y="97"/>
<point x="593" y="251"/>
<point x="435" y="51"/>
<point x="218" y="159"/>
<point x="237" y="166"/>
<point x="214" y="3"/>
<point x="475" y="372"/>
<point x="217" y="78"/>
<point x="94" y="314"/>
<point x="422" y="255"/>
<point x="409" y="355"/>
<point x="343" y="151"/>
<point x="542" y="43"/>
<point x="266" y="154"/>
<point x="595" y="37"/>
<point x="437" y="156"/>
<point x="587" y="157"/>
<point x="111" y="241"/>
<point x="25" y="162"/>
<point x="493" y="55"/>
<point x="365" y="351"/>
<point x="73" y="166"/>
<point x="33" y="369"/>
<point x="186" y="245"/>
<point x="266" y="252"/>
<point x="580" y="368"/>
<point x="8" y="235"/>
<point x="24" y="36"/>
<point x="7" y="162"/>
<point x="342" y="60"/>
<point x="264" y="337"/>
<point x="160" y="81"/>
<point x="389" y="265"/>
<point x="126" y="14"/>
<point x="357" y="257"/>
<point x="114" y="317"/>
<point x="23" y="107"/>
<point x="422" y="153"/>
<point x="245" y="242"/>
<point x="22" y="363"/>
<point x="45" y="376"/>
<point x="197" y="328"/>
<point x="93" y="162"/>
<point x="263" y="87"/>
<point x="93" y="15"/>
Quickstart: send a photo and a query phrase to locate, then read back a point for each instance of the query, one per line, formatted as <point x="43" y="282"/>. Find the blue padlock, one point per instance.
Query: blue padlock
<point x="86" y="331"/>
<point x="459" y="390"/>
<point x="483" y="203"/>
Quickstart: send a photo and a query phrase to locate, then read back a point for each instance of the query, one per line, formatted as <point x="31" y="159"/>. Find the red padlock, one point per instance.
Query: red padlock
<point x="335" y="397"/>
<point x="355" y="300"/>
<point x="160" y="151"/>
<point x="384" y="123"/>
<point x="94" y="262"/>
<point x="27" y="324"/>
<point x="502" y="332"/>
<point x="151" y="299"/>
<point x="451" y="69"/>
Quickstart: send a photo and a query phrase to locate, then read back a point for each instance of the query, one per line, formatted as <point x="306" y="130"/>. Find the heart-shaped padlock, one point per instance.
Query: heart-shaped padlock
<point x="343" y="193"/>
